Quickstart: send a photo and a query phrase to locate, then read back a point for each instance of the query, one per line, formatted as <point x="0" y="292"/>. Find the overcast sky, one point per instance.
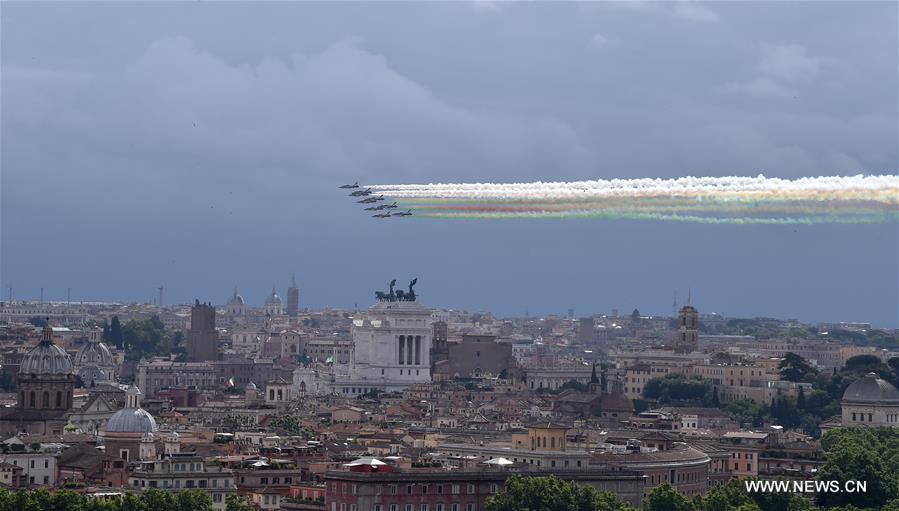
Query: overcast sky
<point x="199" y="146"/>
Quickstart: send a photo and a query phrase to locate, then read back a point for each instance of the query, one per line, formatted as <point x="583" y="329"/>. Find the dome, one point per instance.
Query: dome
<point x="235" y="299"/>
<point x="871" y="389"/>
<point x="94" y="352"/>
<point x="46" y="358"/>
<point x="131" y="420"/>
<point x="251" y="386"/>
<point x="273" y="299"/>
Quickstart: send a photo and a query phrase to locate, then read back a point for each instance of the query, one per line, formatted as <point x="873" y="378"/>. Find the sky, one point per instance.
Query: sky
<point x="199" y="146"/>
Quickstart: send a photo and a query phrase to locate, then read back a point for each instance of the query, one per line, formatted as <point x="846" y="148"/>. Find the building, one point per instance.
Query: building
<point x="45" y="389"/>
<point x="687" y="330"/>
<point x="371" y="485"/>
<point x="870" y="402"/>
<point x="157" y="375"/>
<point x="685" y="468"/>
<point x="293" y="300"/>
<point x="391" y="351"/>
<point x="202" y="339"/>
<point x="184" y="471"/>
<point x="743" y="448"/>
<point x="476" y="356"/>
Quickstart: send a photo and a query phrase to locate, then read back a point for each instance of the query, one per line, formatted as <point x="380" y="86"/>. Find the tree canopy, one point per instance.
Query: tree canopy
<point x="552" y="494"/>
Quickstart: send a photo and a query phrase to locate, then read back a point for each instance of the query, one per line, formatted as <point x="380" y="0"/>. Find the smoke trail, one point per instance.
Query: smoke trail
<point x="723" y="200"/>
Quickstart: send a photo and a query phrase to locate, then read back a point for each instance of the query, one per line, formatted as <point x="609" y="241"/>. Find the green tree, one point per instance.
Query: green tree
<point x="115" y="333"/>
<point x="552" y="494"/>
<point x="795" y="368"/>
<point x="666" y="498"/>
<point x="235" y="503"/>
<point x="861" y="454"/>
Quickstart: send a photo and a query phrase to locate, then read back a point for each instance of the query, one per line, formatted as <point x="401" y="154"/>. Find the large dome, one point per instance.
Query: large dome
<point x="131" y="420"/>
<point x="94" y="353"/>
<point x="872" y="390"/>
<point x="46" y="358"/>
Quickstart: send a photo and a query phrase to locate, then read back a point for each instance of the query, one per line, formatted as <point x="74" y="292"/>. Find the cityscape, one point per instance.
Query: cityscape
<point x="399" y="404"/>
<point x="468" y="255"/>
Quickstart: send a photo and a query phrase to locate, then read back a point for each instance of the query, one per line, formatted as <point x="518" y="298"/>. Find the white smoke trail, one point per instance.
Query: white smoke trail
<point x="882" y="188"/>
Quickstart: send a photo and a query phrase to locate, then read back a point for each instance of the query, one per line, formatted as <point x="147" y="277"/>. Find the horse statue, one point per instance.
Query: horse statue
<point x="411" y="294"/>
<point x="400" y="295"/>
<point x="380" y="295"/>
<point x="392" y="295"/>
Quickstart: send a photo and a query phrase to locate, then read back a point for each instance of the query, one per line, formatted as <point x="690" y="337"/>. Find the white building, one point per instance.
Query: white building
<point x="390" y="351"/>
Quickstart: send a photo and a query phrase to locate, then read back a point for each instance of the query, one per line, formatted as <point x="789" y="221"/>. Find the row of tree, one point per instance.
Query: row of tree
<point x="148" y="500"/>
<point x="554" y="494"/>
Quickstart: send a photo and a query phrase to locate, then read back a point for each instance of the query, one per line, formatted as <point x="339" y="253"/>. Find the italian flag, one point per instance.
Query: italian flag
<point x="330" y="360"/>
<point x="231" y="382"/>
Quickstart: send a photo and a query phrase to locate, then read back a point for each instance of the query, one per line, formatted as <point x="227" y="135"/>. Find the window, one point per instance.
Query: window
<point x="470" y="507"/>
<point x="471" y="489"/>
<point x="493" y="488"/>
<point x="409" y="489"/>
<point x="424" y="507"/>
<point x="456" y="490"/>
<point x="394" y="507"/>
<point x="410" y="507"/>
<point x="439" y="489"/>
<point x="424" y="489"/>
<point x="438" y="507"/>
<point x="454" y="507"/>
<point x="393" y="489"/>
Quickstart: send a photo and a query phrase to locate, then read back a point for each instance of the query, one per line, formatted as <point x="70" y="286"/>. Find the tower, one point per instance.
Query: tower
<point x="202" y="339"/>
<point x="687" y="329"/>
<point x="293" y="299"/>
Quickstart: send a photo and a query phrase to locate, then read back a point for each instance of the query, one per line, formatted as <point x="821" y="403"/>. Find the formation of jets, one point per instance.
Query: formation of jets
<point x="379" y="207"/>
<point x="368" y="198"/>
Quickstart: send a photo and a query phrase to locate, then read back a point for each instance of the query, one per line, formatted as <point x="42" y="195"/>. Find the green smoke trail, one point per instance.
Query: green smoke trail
<point x="801" y="220"/>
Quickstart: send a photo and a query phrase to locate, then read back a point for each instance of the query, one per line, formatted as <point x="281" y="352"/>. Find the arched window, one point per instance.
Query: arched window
<point x="46" y="402"/>
<point x="59" y="399"/>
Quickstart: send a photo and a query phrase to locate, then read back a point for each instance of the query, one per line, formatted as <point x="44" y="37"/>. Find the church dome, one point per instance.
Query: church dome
<point x="251" y="386"/>
<point x="94" y="353"/>
<point x="273" y="299"/>
<point x="46" y="358"/>
<point x="131" y="420"/>
<point x="871" y="390"/>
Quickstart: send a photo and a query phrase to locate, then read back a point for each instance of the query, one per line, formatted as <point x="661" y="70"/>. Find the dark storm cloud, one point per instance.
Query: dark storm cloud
<point x="199" y="145"/>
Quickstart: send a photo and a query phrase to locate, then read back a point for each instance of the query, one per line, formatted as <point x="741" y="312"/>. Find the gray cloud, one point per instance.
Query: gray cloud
<point x="200" y="145"/>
